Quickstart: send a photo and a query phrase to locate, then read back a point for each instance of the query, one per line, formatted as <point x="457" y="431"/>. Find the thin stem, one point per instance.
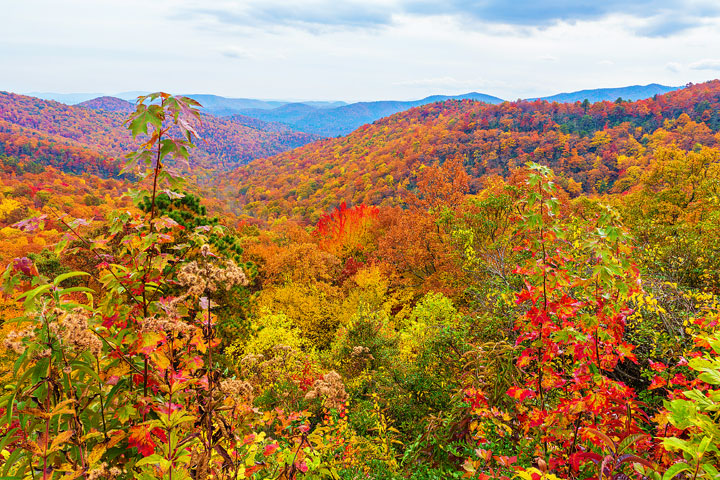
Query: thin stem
<point x="540" y="354"/>
<point x="102" y="406"/>
<point x="151" y="254"/>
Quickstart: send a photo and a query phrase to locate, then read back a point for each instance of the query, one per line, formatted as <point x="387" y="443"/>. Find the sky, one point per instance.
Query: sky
<point x="355" y="50"/>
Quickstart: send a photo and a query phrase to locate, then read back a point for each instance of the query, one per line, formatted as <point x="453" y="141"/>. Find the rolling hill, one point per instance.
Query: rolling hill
<point x="597" y="149"/>
<point x="108" y="104"/>
<point x="227" y="141"/>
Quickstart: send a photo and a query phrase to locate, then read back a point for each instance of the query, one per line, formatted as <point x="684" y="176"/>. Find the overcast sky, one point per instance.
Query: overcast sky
<point x="356" y="49"/>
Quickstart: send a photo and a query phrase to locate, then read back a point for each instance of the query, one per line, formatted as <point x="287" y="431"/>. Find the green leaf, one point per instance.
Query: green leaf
<point x="31" y="294"/>
<point x="681" y="413"/>
<point x="88" y="370"/>
<point x="704" y="443"/>
<point x="152" y="460"/>
<point x="673" y="471"/>
<point x="75" y="289"/>
<point x="12" y="461"/>
<point x="711" y="376"/>
<point x="674" y="443"/>
<point x="712" y="471"/>
<point x="65" y="276"/>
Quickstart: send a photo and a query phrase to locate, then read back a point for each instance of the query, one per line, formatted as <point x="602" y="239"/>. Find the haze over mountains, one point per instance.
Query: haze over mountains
<point x="335" y="118"/>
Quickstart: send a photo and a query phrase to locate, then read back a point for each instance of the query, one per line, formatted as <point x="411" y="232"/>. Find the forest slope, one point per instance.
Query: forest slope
<point x="226" y="142"/>
<point x="593" y="146"/>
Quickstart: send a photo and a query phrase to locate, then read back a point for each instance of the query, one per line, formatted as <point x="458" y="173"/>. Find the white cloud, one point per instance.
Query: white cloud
<point x="706" y="64"/>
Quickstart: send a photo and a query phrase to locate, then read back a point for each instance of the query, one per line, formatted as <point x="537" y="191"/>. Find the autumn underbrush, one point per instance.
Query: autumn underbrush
<point x="511" y="333"/>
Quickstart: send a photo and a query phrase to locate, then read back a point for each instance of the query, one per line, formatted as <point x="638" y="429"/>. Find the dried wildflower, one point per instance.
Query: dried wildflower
<point x="42" y="353"/>
<point x="360" y="352"/>
<point x="14" y="339"/>
<point x="99" y="472"/>
<point x="164" y="324"/>
<point x="331" y="389"/>
<point x="237" y="388"/>
<point x="72" y="329"/>
<point x="252" y="359"/>
<point x="234" y="275"/>
<point x="210" y="277"/>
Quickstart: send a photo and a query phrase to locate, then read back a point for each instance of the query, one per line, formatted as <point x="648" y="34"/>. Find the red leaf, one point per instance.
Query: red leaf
<point x="270" y="449"/>
<point x="658" y="366"/>
<point x="657" y="382"/>
<point x="141" y="438"/>
<point x="520" y="393"/>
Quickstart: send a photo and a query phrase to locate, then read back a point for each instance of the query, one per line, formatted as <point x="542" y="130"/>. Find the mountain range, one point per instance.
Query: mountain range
<point x="334" y="118"/>
<point x="632" y="93"/>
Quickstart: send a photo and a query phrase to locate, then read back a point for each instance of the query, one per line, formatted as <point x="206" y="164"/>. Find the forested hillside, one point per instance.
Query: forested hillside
<point x="225" y="142"/>
<point x="597" y="148"/>
<point x="525" y="290"/>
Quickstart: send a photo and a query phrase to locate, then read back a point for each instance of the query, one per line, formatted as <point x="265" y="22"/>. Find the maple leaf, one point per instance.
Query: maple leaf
<point x="141" y="438"/>
<point x="270" y="449"/>
<point x="658" y="366"/>
<point x="657" y="382"/>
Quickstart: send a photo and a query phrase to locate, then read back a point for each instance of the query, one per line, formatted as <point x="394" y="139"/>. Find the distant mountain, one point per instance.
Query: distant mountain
<point x="130" y="96"/>
<point x="108" y="104"/>
<point x="66" y="98"/>
<point x="325" y="118"/>
<point x="289" y="114"/>
<point x="331" y="122"/>
<point x="321" y="104"/>
<point x="332" y="119"/>
<point x="632" y="93"/>
<point x="221" y="106"/>
<point x="76" y="98"/>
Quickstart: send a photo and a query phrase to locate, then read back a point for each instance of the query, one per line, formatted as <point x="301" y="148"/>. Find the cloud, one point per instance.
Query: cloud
<point x="539" y="13"/>
<point x="547" y="58"/>
<point x="673" y="66"/>
<point x="234" y="52"/>
<point x="706" y="64"/>
<point x="314" y="15"/>
<point x="661" y="18"/>
<point x="668" y="24"/>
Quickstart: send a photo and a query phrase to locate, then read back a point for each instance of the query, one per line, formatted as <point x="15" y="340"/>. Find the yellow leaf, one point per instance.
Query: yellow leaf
<point x="60" y="439"/>
<point x="161" y="360"/>
<point x="96" y="454"/>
